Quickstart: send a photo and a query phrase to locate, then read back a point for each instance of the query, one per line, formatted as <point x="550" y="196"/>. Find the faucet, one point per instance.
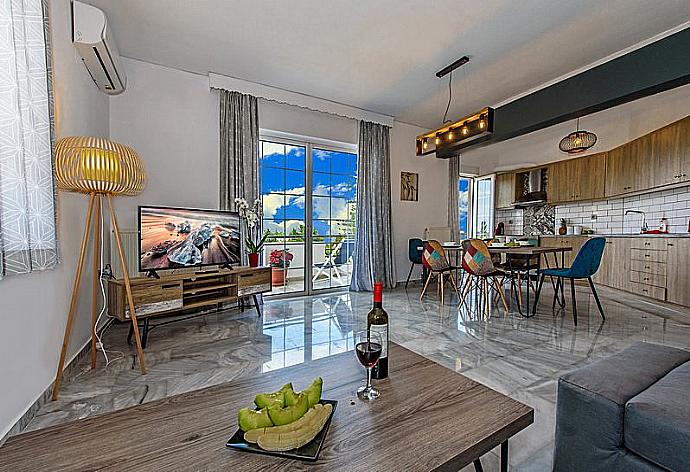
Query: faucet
<point x="644" y="228"/>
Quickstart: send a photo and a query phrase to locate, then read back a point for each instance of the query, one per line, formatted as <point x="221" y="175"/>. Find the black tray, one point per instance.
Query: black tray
<point x="308" y="452"/>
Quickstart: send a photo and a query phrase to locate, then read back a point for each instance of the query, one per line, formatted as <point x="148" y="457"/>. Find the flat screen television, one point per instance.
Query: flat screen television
<point x="171" y="238"/>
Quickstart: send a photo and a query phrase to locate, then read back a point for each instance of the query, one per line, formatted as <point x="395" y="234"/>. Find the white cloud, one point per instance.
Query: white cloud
<point x="324" y="208"/>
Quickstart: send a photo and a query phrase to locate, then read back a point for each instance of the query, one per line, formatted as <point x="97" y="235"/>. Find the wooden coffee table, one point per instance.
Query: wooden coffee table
<point x="427" y="418"/>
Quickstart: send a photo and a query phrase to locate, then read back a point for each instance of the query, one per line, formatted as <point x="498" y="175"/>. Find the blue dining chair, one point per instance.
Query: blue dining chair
<point x="585" y="265"/>
<point x="414" y="254"/>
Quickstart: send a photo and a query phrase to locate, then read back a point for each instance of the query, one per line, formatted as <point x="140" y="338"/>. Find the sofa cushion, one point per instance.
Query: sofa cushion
<point x="657" y="421"/>
<point x="625" y="374"/>
<point x="590" y="412"/>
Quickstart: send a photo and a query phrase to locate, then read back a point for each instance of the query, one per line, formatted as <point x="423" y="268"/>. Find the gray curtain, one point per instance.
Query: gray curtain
<point x="453" y="197"/>
<point x="239" y="148"/>
<point x="28" y="236"/>
<point x="373" y="257"/>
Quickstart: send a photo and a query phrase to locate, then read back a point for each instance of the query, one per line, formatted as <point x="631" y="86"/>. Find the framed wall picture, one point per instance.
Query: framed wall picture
<point x="409" y="189"/>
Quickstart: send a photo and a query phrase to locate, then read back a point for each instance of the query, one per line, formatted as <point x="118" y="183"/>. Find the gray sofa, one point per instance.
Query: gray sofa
<point x="628" y="412"/>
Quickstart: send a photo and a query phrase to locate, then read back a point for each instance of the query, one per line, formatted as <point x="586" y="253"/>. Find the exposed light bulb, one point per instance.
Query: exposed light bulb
<point x="438" y="139"/>
<point x="465" y="129"/>
<point x="482" y="123"/>
<point x="425" y="143"/>
<point x="450" y="135"/>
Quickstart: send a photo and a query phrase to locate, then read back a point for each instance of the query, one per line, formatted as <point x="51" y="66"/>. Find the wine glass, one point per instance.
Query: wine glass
<point x="368" y="347"/>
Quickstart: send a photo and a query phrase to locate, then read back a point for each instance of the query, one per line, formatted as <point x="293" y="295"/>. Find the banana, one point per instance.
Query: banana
<point x="253" y="435"/>
<point x="271" y="440"/>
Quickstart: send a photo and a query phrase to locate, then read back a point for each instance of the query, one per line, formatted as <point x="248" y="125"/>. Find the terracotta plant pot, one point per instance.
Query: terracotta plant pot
<point x="278" y="276"/>
<point x="253" y="259"/>
<point x="562" y="230"/>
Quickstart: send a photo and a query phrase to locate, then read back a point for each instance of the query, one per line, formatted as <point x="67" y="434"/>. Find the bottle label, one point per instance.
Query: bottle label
<point x="382" y="330"/>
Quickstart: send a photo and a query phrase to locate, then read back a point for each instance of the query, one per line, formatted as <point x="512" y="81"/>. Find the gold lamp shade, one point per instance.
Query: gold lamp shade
<point x="88" y="164"/>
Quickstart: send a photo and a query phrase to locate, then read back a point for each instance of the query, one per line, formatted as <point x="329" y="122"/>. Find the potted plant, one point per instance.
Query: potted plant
<point x="253" y="241"/>
<point x="280" y="261"/>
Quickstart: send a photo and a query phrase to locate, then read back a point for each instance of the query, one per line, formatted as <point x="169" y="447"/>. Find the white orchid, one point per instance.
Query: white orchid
<point x="252" y="219"/>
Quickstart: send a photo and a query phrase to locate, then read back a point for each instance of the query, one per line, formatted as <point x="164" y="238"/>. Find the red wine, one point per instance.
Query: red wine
<point x="377" y="322"/>
<point x="368" y="353"/>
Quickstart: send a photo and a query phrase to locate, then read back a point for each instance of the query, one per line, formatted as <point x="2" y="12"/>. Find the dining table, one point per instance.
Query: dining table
<point x="511" y="252"/>
<point x="529" y="252"/>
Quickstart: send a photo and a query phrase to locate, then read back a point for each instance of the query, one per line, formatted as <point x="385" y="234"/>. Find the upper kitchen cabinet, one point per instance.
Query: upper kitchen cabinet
<point x="589" y="177"/>
<point x="671" y="149"/>
<point x="630" y="167"/>
<point x="505" y="190"/>
<point x="578" y="179"/>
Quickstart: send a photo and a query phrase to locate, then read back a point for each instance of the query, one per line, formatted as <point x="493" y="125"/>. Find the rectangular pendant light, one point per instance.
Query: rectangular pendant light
<point x="465" y="129"/>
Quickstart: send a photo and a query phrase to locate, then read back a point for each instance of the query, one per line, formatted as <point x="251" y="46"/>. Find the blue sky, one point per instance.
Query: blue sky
<point x="283" y="187"/>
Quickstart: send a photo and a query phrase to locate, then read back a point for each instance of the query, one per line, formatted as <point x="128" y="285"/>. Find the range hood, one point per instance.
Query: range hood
<point x="533" y="187"/>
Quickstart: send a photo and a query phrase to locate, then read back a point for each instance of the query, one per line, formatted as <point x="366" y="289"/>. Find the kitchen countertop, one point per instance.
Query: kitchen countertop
<point x="620" y="235"/>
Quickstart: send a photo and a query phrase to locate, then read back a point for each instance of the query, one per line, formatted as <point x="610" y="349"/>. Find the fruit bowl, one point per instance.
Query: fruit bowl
<point x="308" y="452"/>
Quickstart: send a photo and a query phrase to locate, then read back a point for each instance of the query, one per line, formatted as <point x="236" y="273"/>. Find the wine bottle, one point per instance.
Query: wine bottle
<point x="377" y="322"/>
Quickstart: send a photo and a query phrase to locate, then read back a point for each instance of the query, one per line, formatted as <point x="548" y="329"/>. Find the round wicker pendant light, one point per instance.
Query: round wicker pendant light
<point x="88" y="164"/>
<point x="577" y="141"/>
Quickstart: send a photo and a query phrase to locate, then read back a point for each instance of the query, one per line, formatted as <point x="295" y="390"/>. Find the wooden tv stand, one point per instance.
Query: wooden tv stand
<point x="187" y="289"/>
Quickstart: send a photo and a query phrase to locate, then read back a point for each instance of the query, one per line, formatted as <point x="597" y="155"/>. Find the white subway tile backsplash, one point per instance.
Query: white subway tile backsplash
<point x="673" y="204"/>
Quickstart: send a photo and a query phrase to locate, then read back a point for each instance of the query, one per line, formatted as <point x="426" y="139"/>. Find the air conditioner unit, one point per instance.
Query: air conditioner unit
<point x="97" y="48"/>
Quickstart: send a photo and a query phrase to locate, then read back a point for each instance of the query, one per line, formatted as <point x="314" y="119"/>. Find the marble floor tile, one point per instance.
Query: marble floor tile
<point x="520" y="357"/>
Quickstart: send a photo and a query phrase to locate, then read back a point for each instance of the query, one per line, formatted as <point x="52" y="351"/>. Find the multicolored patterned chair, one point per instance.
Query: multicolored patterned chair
<point x="436" y="262"/>
<point x="476" y="261"/>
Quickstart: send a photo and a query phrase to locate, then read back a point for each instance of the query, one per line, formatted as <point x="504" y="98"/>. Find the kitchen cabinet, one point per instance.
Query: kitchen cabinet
<point x="678" y="271"/>
<point x="575" y="242"/>
<point x="630" y="167"/>
<point x="505" y="190"/>
<point x="614" y="270"/>
<point x="578" y="179"/>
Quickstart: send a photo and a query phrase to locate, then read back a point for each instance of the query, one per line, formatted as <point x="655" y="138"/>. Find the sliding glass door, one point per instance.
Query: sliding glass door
<point x="308" y="192"/>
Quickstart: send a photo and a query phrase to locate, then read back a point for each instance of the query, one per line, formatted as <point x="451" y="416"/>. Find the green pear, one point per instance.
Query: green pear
<point x="288" y="414"/>
<point x="252" y="419"/>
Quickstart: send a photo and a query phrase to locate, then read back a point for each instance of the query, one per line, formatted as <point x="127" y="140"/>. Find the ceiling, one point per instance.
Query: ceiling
<point x="382" y="55"/>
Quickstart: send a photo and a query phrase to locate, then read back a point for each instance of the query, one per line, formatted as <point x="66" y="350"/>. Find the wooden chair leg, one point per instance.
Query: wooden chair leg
<point x="428" y="279"/>
<point x="73" y="300"/>
<point x="455" y="285"/>
<point x="486" y="295"/>
<point x="443" y="282"/>
<point x="519" y="288"/>
<point x="501" y="293"/>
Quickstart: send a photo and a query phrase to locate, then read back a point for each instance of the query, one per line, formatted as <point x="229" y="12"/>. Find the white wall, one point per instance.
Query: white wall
<point x="613" y="127"/>
<point x="410" y="218"/>
<point x="171" y="118"/>
<point x="34" y="306"/>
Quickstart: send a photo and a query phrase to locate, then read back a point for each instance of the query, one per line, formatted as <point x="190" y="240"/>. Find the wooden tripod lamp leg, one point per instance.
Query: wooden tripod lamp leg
<point x="128" y="287"/>
<point x="96" y="278"/>
<point x="73" y="301"/>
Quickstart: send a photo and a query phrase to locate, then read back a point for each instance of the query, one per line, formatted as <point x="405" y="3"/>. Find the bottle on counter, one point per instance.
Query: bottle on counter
<point x="377" y="321"/>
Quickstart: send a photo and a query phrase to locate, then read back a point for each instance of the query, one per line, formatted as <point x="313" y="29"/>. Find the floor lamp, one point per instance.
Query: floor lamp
<point x="102" y="169"/>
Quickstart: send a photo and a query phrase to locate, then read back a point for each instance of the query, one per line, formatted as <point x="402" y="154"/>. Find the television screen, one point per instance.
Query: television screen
<point x="171" y="238"/>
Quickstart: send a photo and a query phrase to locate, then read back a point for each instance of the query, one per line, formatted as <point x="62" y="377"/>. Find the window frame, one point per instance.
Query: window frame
<point x="310" y="143"/>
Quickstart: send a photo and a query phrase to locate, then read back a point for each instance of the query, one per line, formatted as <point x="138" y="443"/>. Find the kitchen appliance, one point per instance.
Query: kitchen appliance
<point x="533" y="191"/>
